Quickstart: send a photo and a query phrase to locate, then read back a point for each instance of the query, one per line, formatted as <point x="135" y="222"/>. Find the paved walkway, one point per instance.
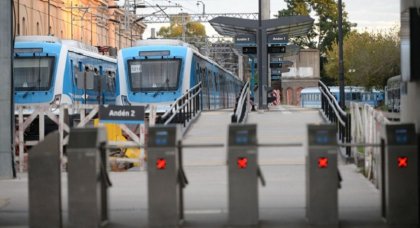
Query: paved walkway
<point x="282" y="201"/>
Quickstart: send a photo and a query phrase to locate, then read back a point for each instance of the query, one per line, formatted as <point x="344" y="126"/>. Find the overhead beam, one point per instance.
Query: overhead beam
<point x="165" y="18"/>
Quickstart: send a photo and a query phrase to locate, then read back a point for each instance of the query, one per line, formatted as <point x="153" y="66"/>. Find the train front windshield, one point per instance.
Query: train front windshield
<point x="154" y="74"/>
<point x="32" y="73"/>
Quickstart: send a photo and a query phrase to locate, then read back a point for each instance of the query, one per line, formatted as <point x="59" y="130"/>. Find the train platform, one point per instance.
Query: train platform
<point x="281" y="201"/>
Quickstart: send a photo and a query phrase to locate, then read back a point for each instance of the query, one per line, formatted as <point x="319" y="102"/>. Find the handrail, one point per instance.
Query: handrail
<point x="335" y="110"/>
<point x="335" y="114"/>
<point x="241" y="107"/>
<point x="185" y="108"/>
<point x="333" y="98"/>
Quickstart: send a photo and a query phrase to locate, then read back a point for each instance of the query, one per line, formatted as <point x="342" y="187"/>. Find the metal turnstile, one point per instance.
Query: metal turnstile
<point x="44" y="180"/>
<point x="88" y="179"/>
<point x="166" y="178"/>
<point x="243" y="173"/>
<point x="399" y="188"/>
<point x="322" y="175"/>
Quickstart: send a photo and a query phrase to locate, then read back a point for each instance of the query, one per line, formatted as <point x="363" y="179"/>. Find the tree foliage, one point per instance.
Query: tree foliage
<point x="325" y="31"/>
<point x="369" y="59"/>
<point x="174" y="30"/>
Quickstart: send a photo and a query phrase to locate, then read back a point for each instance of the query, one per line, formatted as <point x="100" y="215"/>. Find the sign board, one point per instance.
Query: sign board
<point x="249" y="50"/>
<point x="275" y="77"/>
<point x="276" y="65"/>
<point x="276" y="71"/>
<point x="245" y="39"/>
<point x="278" y="39"/>
<point x="121" y="114"/>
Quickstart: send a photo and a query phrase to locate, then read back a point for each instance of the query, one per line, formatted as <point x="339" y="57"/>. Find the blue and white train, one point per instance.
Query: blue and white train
<point x="160" y="71"/>
<point x="311" y="97"/>
<point x="48" y="70"/>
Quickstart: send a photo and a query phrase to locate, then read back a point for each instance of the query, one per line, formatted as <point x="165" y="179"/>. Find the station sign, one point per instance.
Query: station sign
<point x="276" y="65"/>
<point x="245" y="39"/>
<point x="121" y="114"/>
<point x="276" y="71"/>
<point x="275" y="77"/>
<point x="278" y="39"/>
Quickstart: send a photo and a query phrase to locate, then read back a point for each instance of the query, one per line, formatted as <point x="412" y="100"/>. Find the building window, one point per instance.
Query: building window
<point x="38" y="30"/>
<point x="23" y="26"/>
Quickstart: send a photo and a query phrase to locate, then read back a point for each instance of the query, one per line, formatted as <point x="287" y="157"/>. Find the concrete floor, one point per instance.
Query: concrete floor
<point x="281" y="202"/>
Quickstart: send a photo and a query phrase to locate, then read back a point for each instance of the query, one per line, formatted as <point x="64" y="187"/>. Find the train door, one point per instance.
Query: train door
<point x="85" y="84"/>
<point x="209" y="88"/>
<point x="204" y="88"/>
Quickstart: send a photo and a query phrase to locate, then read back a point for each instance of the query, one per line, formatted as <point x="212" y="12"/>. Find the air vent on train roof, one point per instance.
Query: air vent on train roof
<point x="80" y="45"/>
<point x="168" y="42"/>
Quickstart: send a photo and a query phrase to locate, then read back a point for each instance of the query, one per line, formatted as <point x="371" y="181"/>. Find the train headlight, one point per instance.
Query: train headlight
<point x="57" y="100"/>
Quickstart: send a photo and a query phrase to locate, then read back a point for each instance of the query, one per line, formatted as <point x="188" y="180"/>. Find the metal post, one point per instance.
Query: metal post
<point x="6" y="92"/>
<point x="71" y="20"/>
<point x="49" y="13"/>
<point x="340" y="55"/>
<point x="260" y="57"/>
<point x="183" y="27"/>
<point x="252" y="76"/>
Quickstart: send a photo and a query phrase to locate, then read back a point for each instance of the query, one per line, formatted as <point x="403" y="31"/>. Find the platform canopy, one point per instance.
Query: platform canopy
<point x="291" y="25"/>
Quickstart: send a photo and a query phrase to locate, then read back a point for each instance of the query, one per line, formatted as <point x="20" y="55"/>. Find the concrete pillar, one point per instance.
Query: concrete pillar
<point x="265" y="11"/>
<point x="6" y="93"/>
<point x="410" y="90"/>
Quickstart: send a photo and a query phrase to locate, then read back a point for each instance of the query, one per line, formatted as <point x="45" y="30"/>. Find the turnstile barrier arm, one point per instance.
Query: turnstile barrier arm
<point x="182" y="178"/>
<point x="104" y="173"/>
<point x="261" y="176"/>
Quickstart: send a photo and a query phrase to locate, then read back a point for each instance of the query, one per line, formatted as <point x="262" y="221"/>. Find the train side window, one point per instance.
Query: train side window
<point x="86" y="78"/>
<point x="109" y="81"/>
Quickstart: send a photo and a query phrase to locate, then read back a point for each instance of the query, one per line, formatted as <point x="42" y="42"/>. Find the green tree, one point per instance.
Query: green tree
<point x="370" y="59"/>
<point x="324" y="33"/>
<point x="175" y="29"/>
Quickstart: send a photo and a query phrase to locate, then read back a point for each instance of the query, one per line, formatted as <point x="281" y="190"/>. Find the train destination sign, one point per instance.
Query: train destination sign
<point x="121" y="114"/>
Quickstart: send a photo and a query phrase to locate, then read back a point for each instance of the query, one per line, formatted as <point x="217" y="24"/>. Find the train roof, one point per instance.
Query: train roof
<point x="336" y="89"/>
<point x="169" y="42"/>
<point x="72" y="45"/>
<point x="310" y="90"/>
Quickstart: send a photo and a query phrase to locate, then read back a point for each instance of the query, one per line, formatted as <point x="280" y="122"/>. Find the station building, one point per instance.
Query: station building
<point x="93" y="22"/>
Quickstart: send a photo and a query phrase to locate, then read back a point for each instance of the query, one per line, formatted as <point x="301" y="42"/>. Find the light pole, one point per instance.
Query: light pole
<point x="340" y="55"/>
<point x="204" y="6"/>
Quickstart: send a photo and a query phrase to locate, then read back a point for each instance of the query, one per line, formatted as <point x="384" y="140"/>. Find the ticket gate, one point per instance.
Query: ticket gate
<point x="166" y="178"/>
<point x="400" y="187"/>
<point x="243" y="173"/>
<point x="44" y="180"/>
<point x="88" y="179"/>
<point x="322" y="176"/>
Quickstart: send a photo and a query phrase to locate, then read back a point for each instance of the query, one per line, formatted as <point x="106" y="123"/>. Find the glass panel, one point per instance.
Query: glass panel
<point x="154" y="75"/>
<point x="32" y="73"/>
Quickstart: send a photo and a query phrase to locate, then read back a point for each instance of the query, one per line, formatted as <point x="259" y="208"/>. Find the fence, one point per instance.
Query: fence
<point x="62" y="118"/>
<point x="367" y="124"/>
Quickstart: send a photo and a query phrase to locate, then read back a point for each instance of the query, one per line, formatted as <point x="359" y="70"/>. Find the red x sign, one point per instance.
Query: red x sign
<point x="402" y="162"/>
<point x="242" y="162"/>
<point x="322" y="162"/>
<point x="161" y="163"/>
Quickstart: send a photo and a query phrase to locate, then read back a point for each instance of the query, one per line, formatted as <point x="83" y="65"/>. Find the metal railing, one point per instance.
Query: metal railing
<point x="335" y="114"/>
<point x="367" y="124"/>
<point x="184" y="109"/>
<point x="242" y="106"/>
<point x="82" y="116"/>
